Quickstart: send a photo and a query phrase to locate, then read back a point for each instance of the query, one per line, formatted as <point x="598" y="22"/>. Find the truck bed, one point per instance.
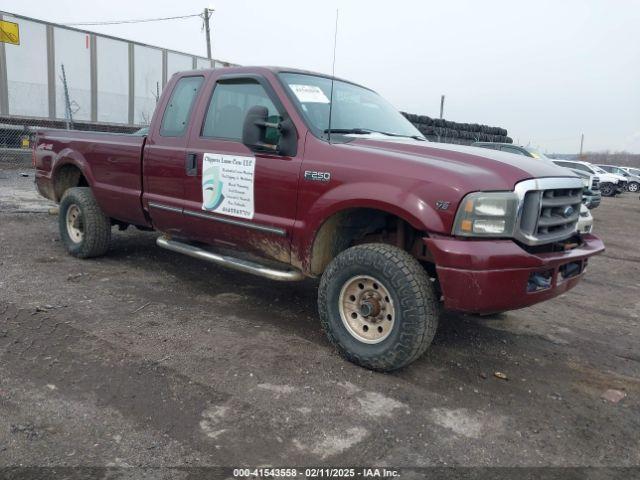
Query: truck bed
<point x="115" y="171"/>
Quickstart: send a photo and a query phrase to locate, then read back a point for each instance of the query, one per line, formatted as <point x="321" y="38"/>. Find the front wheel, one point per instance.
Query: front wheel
<point x="633" y="186"/>
<point x="607" y="189"/>
<point x="85" y="231"/>
<point x="378" y="307"/>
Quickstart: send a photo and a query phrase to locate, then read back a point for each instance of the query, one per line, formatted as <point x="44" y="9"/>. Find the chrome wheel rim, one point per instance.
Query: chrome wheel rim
<point x="367" y="309"/>
<point x="75" y="228"/>
<point x="633" y="187"/>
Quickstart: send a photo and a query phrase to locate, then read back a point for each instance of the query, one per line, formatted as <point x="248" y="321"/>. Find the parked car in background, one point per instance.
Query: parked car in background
<point x="585" y="222"/>
<point x="610" y="184"/>
<point x="633" y="181"/>
<point x="511" y="148"/>
<point x="591" y="196"/>
<point x="632" y="171"/>
<point x="622" y="180"/>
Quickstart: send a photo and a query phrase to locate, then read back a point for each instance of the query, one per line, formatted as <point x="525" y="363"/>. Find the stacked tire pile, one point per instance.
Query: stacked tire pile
<point x="445" y="131"/>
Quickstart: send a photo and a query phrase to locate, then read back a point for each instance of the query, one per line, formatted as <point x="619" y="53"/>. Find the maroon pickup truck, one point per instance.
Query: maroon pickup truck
<point x="287" y="174"/>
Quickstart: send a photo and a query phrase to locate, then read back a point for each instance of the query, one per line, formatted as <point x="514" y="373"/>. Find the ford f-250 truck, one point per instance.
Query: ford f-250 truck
<point x="289" y="174"/>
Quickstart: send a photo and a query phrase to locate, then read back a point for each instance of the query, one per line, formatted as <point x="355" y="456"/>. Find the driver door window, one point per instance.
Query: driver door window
<point x="229" y="105"/>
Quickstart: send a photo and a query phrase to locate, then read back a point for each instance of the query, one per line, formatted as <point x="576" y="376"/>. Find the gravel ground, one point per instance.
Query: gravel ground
<point x="148" y="358"/>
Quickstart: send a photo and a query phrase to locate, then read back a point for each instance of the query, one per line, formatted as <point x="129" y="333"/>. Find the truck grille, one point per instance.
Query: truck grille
<point x="548" y="214"/>
<point x="595" y="184"/>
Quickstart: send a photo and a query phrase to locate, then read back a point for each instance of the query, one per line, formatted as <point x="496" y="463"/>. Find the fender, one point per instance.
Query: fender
<point x="68" y="156"/>
<point x="407" y="205"/>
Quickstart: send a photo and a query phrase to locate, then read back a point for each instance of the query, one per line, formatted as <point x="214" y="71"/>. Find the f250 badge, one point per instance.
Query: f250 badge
<point x="314" y="176"/>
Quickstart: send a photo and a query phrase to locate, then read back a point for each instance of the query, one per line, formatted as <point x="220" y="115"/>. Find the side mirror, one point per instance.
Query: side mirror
<point x="263" y="136"/>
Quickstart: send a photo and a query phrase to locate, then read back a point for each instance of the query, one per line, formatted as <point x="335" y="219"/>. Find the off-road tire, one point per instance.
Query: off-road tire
<point x="607" y="189"/>
<point x="416" y="316"/>
<point x="96" y="226"/>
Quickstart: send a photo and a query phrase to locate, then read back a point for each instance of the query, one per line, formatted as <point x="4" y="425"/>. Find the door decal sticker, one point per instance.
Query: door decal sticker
<point x="227" y="184"/>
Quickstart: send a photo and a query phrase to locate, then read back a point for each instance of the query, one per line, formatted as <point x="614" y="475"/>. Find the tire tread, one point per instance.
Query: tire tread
<point x="97" y="226"/>
<point x="419" y="304"/>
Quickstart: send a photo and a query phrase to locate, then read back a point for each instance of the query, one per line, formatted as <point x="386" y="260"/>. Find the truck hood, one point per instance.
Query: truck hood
<point x="474" y="168"/>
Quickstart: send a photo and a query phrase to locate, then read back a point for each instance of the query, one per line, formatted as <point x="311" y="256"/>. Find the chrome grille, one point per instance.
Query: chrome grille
<point x="549" y="209"/>
<point x="595" y="185"/>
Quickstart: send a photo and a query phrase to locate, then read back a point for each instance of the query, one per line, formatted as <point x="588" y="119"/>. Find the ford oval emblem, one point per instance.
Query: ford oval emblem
<point x="568" y="211"/>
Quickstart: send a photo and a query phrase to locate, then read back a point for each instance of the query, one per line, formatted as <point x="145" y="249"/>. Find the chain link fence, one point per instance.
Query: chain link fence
<point x="17" y="134"/>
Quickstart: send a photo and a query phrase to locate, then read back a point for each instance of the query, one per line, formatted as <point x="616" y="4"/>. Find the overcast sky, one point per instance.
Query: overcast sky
<point x="544" y="70"/>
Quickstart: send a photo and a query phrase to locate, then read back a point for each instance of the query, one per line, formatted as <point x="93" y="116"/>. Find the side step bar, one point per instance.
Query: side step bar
<point x="235" y="263"/>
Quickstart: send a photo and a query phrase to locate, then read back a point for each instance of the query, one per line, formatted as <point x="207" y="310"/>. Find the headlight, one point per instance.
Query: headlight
<point x="486" y="214"/>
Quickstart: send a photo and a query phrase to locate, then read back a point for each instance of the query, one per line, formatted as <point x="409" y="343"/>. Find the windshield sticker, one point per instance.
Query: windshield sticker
<point x="309" y="94"/>
<point x="227" y="184"/>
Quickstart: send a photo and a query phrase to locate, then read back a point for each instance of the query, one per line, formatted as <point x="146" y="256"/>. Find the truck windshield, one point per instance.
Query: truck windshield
<point x="356" y="110"/>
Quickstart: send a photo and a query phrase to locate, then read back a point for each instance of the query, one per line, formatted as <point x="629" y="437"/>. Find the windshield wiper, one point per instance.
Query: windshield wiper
<point x="357" y="131"/>
<point x="415" y="137"/>
<point x="367" y="131"/>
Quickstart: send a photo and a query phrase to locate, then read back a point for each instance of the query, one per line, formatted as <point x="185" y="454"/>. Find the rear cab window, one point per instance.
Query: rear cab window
<point x="175" y="119"/>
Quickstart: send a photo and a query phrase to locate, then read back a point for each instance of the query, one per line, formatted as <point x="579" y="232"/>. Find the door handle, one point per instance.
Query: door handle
<point x="191" y="165"/>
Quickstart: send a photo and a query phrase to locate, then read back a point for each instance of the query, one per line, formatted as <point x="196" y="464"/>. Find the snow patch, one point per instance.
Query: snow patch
<point x="332" y="445"/>
<point x="285" y="389"/>
<point x="377" y="405"/>
<point x="461" y="421"/>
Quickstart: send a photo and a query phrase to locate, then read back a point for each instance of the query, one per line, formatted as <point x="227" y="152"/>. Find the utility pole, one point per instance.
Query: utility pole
<point x="441" y="106"/>
<point x="581" y="143"/>
<point x="207" y="16"/>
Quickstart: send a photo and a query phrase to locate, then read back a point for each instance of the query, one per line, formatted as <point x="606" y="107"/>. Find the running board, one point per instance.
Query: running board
<point x="231" y="262"/>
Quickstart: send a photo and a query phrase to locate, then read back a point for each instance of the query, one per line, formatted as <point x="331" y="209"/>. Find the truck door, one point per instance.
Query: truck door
<point x="165" y="155"/>
<point x="235" y="197"/>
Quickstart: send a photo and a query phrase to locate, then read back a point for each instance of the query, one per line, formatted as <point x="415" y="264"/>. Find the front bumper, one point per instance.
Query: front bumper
<point x="487" y="276"/>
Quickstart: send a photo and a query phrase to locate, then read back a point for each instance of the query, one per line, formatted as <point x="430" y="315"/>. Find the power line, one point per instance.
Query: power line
<point x="142" y="20"/>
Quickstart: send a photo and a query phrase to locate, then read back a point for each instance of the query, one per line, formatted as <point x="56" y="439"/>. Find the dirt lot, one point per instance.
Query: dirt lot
<point x="146" y="357"/>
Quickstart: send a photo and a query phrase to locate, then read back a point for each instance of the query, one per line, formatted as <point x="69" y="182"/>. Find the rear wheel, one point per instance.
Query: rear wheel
<point x="607" y="189"/>
<point x="378" y="306"/>
<point x="85" y="231"/>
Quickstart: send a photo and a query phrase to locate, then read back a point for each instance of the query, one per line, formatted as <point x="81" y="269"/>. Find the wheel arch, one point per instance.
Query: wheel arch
<point x="359" y="223"/>
<point x="69" y="171"/>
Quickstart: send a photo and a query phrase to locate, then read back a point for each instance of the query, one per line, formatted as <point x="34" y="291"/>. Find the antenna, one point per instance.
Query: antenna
<point x="333" y="73"/>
